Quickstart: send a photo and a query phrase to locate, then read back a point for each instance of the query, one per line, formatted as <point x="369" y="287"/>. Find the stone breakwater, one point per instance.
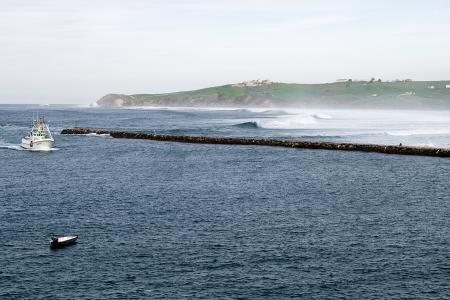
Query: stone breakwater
<point x="387" y="149"/>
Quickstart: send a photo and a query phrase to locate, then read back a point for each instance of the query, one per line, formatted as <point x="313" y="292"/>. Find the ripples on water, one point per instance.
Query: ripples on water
<point x="170" y="220"/>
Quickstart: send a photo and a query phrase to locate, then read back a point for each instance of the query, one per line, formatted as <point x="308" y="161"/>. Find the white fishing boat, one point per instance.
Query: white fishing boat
<point x="39" y="138"/>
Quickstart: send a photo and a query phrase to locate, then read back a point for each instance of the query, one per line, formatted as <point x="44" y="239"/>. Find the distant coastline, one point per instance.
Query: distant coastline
<point x="344" y="93"/>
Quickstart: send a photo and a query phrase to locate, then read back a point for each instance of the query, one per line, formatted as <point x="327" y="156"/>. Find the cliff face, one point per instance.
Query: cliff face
<point x="212" y="99"/>
<point x="115" y="100"/>
<point x="404" y="95"/>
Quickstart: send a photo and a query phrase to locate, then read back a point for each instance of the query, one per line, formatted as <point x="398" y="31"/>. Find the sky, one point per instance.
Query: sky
<point x="59" y="51"/>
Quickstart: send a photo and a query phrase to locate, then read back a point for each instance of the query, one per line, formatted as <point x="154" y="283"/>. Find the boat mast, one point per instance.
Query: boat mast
<point x="48" y="130"/>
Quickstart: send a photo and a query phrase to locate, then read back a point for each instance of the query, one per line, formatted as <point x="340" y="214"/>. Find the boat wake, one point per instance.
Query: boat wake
<point x="11" y="147"/>
<point x="17" y="147"/>
<point x="11" y="127"/>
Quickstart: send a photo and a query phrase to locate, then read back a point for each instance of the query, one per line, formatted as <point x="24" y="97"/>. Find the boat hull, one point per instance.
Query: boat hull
<point x="63" y="242"/>
<point x="44" y="144"/>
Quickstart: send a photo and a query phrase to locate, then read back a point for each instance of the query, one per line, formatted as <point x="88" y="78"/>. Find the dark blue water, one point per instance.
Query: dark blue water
<point x="163" y="220"/>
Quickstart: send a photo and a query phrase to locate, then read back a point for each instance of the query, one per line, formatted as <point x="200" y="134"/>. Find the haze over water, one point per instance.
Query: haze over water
<point x="415" y="128"/>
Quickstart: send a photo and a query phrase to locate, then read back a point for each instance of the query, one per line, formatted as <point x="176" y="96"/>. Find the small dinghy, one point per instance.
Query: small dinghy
<point x="62" y="241"/>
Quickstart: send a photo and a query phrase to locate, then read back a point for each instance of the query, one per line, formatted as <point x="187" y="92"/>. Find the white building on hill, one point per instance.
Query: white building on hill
<point x="253" y="83"/>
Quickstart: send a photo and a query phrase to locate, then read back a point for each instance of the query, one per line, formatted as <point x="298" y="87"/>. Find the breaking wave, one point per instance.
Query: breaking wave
<point x="90" y="105"/>
<point x="248" y="125"/>
<point x="412" y="132"/>
<point x="321" y="117"/>
<point x="288" y="122"/>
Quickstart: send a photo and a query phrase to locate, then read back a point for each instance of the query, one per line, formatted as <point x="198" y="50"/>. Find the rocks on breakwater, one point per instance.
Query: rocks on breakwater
<point x="387" y="149"/>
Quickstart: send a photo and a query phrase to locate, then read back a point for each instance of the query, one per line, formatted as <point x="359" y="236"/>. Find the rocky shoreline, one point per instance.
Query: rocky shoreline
<point x="386" y="149"/>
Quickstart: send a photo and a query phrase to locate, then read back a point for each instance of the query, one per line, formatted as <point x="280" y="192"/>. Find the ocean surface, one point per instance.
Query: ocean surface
<point x="162" y="220"/>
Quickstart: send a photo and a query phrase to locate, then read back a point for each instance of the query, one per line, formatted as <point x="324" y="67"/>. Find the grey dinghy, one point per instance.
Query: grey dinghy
<point x="63" y="241"/>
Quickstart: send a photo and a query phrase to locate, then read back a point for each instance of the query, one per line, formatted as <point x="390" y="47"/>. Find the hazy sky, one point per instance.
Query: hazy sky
<point x="76" y="51"/>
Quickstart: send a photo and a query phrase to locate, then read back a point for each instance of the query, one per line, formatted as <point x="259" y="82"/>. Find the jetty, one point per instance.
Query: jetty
<point x="386" y="149"/>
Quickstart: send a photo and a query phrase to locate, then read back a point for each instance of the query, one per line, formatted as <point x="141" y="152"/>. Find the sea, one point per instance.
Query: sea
<point x="166" y="220"/>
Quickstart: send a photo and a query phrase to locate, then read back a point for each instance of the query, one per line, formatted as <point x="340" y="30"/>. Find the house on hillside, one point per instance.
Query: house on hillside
<point x="253" y="83"/>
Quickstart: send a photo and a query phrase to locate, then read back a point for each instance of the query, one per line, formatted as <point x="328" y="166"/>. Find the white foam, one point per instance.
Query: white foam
<point x="424" y="131"/>
<point x="420" y="128"/>
<point x="18" y="147"/>
<point x="90" y="105"/>
<point x="11" y="147"/>
<point x="93" y="134"/>
<point x="43" y="150"/>
<point x="322" y="116"/>
<point x="427" y="145"/>
<point x="287" y="122"/>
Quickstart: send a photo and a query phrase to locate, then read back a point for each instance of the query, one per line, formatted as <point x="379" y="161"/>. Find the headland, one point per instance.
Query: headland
<point x="344" y="93"/>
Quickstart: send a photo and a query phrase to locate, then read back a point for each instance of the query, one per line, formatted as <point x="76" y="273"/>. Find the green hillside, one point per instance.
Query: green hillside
<point x="404" y="94"/>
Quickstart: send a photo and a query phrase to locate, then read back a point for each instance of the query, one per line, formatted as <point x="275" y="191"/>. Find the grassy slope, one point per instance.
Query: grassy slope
<point x="388" y="94"/>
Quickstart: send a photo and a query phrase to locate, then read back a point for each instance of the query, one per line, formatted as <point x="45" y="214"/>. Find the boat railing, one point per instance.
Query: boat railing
<point x="39" y="128"/>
